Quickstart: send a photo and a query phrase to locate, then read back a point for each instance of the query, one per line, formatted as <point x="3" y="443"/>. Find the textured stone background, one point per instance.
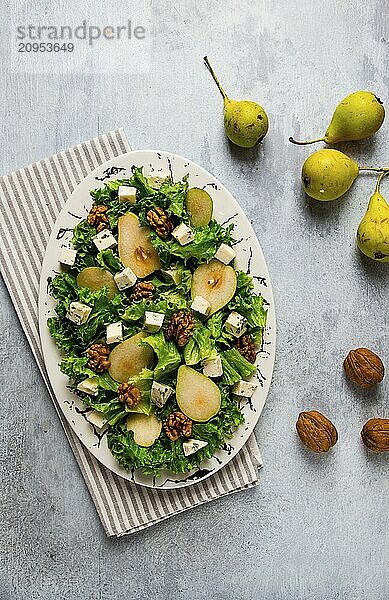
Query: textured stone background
<point x="317" y="527"/>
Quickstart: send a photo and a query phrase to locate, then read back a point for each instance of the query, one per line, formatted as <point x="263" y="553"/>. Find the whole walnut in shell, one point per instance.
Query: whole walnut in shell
<point x="364" y="368"/>
<point x="375" y="435"/>
<point x="316" y="431"/>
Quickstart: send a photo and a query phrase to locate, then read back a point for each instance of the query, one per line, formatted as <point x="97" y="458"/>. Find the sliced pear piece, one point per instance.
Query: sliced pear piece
<point x="199" y="205"/>
<point x="197" y="396"/>
<point x="215" y="282"/>
<point x="146" y="428"/>
<point x="95" y="278"/>
<point x="135" y="248"/>
<point x="129" y="358"/>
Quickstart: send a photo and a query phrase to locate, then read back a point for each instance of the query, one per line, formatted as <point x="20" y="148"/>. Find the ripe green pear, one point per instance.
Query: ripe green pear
<point x="328" y="174"/>
<point x="245" y="122"/>
<point x="357" y="117"/>
<point x="373" y="230"/>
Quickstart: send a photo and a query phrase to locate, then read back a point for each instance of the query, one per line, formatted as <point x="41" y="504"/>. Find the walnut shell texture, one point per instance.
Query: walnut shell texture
<point x="316" y="431"/>
<point x="375" y="435"/>
<point x="364" y="368"/>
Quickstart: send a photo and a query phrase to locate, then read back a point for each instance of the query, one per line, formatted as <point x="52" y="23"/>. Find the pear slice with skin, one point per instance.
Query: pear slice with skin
<point x="95" y="278"/>
<point x="215" y="282"/>
<point x="373" y="230"/>
<point x="197" y="396"/>
<point x="135" y="248"/>
<point x="199" y="205"/>
<point x="146" y="428"/>
<point x="128" y="358"/>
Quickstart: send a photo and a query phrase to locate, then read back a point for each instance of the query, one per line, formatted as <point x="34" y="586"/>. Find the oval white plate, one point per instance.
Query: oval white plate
<point x="249" y="258"/>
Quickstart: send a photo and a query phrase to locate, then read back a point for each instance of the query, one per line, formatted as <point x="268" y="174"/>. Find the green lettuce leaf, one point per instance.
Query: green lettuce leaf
<point x="200" y="346"/>
<point x="169" y="358"/>
<point x="109" y="260"/>
<point x="235" y="367"/>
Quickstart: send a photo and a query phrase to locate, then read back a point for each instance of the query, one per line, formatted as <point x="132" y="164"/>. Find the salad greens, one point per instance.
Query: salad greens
<point x="208" y="340"/>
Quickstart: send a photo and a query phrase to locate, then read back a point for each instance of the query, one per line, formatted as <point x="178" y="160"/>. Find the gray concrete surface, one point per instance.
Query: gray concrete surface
<point x="317" y="527"/>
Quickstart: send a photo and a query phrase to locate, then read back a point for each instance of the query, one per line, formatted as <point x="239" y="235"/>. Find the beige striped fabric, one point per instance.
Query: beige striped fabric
<point x="30" y="202"/>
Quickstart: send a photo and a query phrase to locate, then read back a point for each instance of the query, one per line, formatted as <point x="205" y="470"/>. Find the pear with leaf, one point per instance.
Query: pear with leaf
<point x="373" y="230"/>
<point x="357" y="117"/>
<point x="245" y="122"/>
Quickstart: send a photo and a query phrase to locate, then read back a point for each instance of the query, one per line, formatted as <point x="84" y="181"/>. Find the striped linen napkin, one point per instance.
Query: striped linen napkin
<point x="30" y="202"/>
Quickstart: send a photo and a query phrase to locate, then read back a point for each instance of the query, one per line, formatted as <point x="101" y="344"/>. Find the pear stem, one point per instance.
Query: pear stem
<point x="208" y="64"/>
<point x="376" y="169"/>
<point x="298" y="143"/>
<point x="380" y="178"/>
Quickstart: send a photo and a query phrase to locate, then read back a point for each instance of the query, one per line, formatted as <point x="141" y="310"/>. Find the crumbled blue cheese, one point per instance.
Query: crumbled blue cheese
<point x="127" y="193"/>
<point x="225" y="254"/>
<point x="79" y="313"/>
<point x="125" y="279"/>
<point x="213" y="367"/>
<point x="235" y="324"/>
<point x="153" y="321"/>
<point x="104" y="240"/>
<point x="172" y="275"/>
<point x="114" y="332"/>
<point x="192" y="446"/>
<point x="183" y="234"/>
<point x="67" y="256"/>
<point x="244" y="388"/>
<point x="160" y="393"/>
<point x="89" y="386"/>
<point x="96" y="418"/>
<point x="201" y="306"/>
<point x="155" y="180"/>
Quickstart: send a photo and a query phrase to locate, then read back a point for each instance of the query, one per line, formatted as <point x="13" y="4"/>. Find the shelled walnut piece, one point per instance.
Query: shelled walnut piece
<point x="98" y="218"/>
<point x="364" y="368"/>
<point x="98" y="357"/>
<point x="375" y="435"/>
<point x="180" y="327"/>
<point x="316" y="431"/>
<point x="143" y="290"/>
<point x="129" y="394"/>
<point x="159" y="220"/>
<point x="176" y="425"/>
<point x="246" y="347"/>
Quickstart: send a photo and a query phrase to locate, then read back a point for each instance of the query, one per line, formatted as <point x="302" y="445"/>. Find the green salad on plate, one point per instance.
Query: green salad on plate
<point x="157" y="329"/>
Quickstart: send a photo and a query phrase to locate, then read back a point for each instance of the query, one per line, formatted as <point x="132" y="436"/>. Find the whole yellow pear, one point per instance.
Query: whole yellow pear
<point x="357" y="117"/>
<point x="328" y="174"/>
<point x="373" y="230"/>
<point x="245" y="122"/>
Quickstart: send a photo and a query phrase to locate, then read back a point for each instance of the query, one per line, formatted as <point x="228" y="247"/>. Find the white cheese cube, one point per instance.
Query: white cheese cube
<point x="160" y="393"/>
<point x="213" y="367"/>
<point x="225" y="254"/>
<point x="157" y="179"/>
<point x="96" y="418"/>
<point x="114" y="332"/>
<point x="183" y="234"/>
<point x="125" y="279"/>
<point x="67" y="256"/>
<point x="244" y="388"/>
<point x="89" y="386"/>
<point x="127" y="193"/>
<point x="171" y="275"/>
<point x="153" y="321"/>
<point x="201" y="306"/>
<point x="78" y="312"/>
<point x="191" y="446"/>
<point x="104" y="240"/>
<point x="235" y="324"/>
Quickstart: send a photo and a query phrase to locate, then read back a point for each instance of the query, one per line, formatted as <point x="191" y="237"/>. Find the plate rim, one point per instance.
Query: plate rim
<point x="120" y="471"/>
